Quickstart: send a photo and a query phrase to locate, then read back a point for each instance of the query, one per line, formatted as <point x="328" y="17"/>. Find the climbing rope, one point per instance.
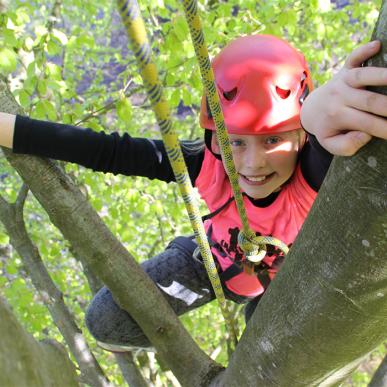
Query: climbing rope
<point x="253" y="246"/>
<point x="131" y="16"/>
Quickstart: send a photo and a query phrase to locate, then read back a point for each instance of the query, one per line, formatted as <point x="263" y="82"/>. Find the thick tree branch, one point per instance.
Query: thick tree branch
<point x="327" y="307"/>
<point x="93" y="242"/>
<point x="11" y="215"/>
<point x="25" y="362"/>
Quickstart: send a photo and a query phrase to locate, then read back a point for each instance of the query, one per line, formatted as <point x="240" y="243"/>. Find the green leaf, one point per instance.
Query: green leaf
<point x="187" y="97"/>
<point x="22" y="16"/>
<point x="175" y="98"/>
<point x="180" y="28"/>
<point x="4" y="239"/>
<point x="61" y="36"/>
<point x="54" y="71"/>
<point x="12" y="268"/>
<point x="50" y="110"/>
<point x="124" y="109"/>
<point x="53" y="48"/>
<point x="30" y="83"/>
<point x="24" y="99"/>
<point x="28" y="43"/>
<point x="8" y="60"/>
<point x="45" y="109"/>
<point x="42" y="86"/>
<point x="10" y="38"/>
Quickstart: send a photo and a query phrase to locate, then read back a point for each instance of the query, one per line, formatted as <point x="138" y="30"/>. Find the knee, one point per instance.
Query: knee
<point x="99" y="314"/>
<point x="108" y="323"/>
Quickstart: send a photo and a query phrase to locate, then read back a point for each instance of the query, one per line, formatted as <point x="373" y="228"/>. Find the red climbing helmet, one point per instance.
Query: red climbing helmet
<point x="262" y="82"/>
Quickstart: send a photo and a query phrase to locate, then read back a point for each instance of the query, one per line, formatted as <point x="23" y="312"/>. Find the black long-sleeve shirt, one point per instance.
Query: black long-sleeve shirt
<point x="123" y="154"/>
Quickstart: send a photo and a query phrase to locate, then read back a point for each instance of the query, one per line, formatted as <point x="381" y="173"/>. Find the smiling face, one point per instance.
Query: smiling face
<point x="264" y="162"/>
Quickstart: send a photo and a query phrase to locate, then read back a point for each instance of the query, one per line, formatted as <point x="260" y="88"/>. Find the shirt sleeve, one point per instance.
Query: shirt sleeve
<point x="99" y="151"/>
<point x="315" y="161"/>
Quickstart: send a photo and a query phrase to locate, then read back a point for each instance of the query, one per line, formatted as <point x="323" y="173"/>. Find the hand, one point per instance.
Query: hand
<point x="342" y="114"/>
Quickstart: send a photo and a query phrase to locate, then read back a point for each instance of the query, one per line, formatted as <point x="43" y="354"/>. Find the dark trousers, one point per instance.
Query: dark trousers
<point x="183" y="281"/>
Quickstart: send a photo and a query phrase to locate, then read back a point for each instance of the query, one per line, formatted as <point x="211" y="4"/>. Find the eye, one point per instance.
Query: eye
<point x="230" y="95"/>
<point x="236" y="142"/>
<point x="273" y="140"/>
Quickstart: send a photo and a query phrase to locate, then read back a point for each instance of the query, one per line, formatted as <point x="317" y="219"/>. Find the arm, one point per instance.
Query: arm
<point x="6" y="129"/>
<point x="98" y="151"/>
<point x="342" y="114"/>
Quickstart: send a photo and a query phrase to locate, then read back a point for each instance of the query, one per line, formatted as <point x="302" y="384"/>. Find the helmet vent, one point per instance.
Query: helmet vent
<point x="230" y="95"/>
<point x="283" y="93"/>
<point x="303" y="78"/>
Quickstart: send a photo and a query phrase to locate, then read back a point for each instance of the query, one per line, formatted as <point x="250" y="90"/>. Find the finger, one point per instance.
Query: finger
<point x="351" y="119"/>
<point x="361" y="54"/>
<point x="357" y="120"/>
<point x="346" y="144"/>
<point x="366" y="76"/>
<point x="367" y="101"/>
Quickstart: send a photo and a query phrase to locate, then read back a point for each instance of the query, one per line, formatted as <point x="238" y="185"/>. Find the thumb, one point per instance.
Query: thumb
<point x="346" y="144"/>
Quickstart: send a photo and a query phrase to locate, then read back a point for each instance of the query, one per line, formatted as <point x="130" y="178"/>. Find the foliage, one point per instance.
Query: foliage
<point x="69" y="62"/>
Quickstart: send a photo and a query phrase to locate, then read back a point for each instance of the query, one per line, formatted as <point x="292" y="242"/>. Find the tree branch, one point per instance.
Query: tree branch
<point x="11" y="215"/>
<point x="327" y="307"/>
<point x="25" y="362"/>
<point x="93" y="242"/>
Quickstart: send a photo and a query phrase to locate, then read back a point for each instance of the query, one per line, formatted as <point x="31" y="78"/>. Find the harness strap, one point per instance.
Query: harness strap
<point x="216" y="212"/>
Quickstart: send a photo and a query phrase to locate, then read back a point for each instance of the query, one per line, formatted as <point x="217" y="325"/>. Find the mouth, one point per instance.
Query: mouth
<point x="257" y="180"/>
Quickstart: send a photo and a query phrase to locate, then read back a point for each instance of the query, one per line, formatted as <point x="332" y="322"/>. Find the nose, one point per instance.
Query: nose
<point x="255" y="157"/>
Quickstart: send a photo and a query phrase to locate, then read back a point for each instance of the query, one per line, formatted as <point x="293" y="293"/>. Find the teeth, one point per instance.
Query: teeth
<point x="258" y="178"/>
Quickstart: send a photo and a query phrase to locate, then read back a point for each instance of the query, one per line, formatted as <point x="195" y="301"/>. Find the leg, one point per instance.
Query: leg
<point x="182" y="280"/>
<point x="250" y="308"/>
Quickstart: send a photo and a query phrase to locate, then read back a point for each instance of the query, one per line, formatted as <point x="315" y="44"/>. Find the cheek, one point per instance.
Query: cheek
<point x="284" y="163"/>
<point x="237" y="160"/>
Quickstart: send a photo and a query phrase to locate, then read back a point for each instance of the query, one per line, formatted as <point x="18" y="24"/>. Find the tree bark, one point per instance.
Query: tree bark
<point x="327" y="307"/>
<point x="24" y="362"/>
<point x="12" y="218"/>
<point x="130" y="371"/>
<point x="94" y="243"/>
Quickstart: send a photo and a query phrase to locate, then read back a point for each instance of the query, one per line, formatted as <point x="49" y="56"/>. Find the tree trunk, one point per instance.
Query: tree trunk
<point x="93" y="242"/>
<point x="25" y="362"/>
<point x="327" y="307"/>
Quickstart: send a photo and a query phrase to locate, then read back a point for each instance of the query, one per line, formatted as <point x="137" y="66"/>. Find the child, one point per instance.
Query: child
<point x="262" y="82"/>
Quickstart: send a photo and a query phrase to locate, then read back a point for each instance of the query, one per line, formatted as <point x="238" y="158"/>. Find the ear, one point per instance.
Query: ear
<point x="214" y="144"/>
<point x="301" y="139"/>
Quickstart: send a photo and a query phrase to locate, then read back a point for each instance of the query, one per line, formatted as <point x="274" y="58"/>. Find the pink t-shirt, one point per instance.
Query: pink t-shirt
<point x="282" y="219"/>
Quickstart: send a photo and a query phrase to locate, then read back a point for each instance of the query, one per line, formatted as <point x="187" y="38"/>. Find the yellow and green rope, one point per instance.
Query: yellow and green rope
<point x="131" y="16"/>
<point x="253" y="246"/>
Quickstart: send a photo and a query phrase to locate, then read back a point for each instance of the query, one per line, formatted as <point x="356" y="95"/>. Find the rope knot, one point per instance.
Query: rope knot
<point x="253" y="246"/>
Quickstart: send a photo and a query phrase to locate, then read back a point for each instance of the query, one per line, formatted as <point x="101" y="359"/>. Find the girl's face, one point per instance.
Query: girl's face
<point x="264" y="162"/>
